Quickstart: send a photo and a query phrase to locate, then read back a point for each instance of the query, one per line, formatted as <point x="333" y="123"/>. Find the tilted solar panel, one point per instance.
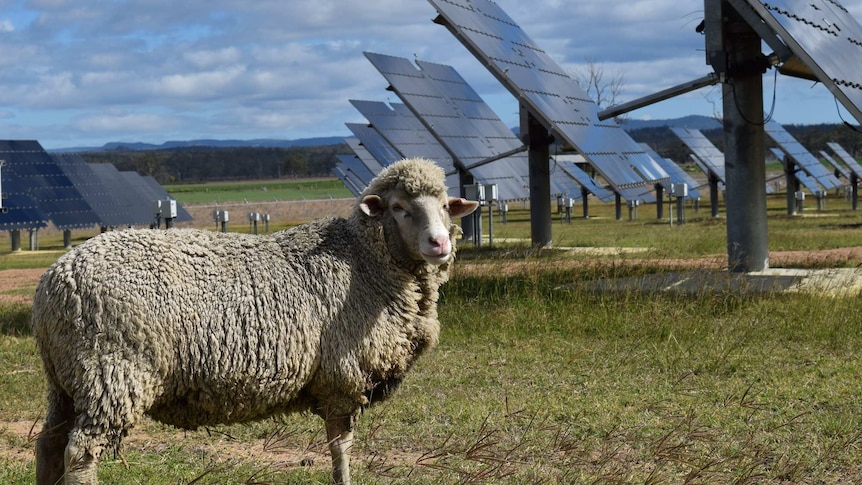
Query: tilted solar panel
<point x="377" y="146"/>
<point x="710" y="156"/>
<point x="845" y="157"/>
<point x="38" y="190"/>
<point x="96" y="193"/>
<point x="677" y="174"/>
<point x="826" y="38"/>
<point x="551" y="94"/>
<point x="840" y="169"/>
<point x="806" y="180"/>
<point x="803" y="158"/>
<point x="364" y="156"/>
<point x="464" y="124"/>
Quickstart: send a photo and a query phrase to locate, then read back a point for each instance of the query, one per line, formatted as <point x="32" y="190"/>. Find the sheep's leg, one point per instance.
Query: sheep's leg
<point x="52" y="440"/>
<point x="339" y="432"/>
<point x="86" y="443"/>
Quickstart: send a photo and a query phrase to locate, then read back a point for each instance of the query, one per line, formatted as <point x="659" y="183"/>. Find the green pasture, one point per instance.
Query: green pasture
<point x="540" y="379"/>
<point x="258" y="191"/>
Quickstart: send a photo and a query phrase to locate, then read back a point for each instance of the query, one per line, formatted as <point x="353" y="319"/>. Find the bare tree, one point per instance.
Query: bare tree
<point x="602" y="87"/>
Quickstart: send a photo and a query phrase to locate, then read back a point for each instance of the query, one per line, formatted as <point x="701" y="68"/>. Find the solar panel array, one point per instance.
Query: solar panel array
<point x="353" y="173"/>
<point x="375" y="144"/>
<point x="803" y="158"/>
<point x="703" y="149"/>
<point x="826" y="38"/>
<point x="37" y="191"/>
<point x="569" y="164"/>
<point x="408" y="136"/>
<point x="364" y="155"/>
<point x="551" y="95"/>
<point x="99" y="196"/>
<point x="845" y="157"/>
<point x="464" y="125"/>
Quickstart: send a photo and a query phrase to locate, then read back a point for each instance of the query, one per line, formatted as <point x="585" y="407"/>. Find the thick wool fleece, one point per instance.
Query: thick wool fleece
<point x="197" y="328"/>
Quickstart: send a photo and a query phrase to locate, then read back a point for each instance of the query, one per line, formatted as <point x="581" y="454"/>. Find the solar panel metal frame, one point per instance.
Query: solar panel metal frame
<point x="826" y="38"/>
<point x="803" y="158"/>
<point x="845" y="157"/>
<point x="552" y="96"/>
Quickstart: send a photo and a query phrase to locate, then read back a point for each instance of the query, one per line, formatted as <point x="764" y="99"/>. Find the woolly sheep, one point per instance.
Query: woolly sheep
<point x="197" y="328"/>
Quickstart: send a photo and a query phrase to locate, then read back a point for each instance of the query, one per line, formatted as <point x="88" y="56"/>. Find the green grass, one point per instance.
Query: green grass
<point x="258" y="191"/>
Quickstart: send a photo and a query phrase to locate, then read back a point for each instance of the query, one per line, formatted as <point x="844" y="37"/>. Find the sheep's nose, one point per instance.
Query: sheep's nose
<point x="438" y="242"/>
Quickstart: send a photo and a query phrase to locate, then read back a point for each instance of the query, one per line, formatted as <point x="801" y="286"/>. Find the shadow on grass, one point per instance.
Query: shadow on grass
<point x="15" y="320"/>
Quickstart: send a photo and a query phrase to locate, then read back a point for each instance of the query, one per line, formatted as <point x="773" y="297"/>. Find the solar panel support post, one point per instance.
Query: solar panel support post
<point x="659" y="205"/>
<point x="584" y="194"/>
<point x="734" y="50"/>
<point x="15" y="239"/>
<point x="713" y="194"/>
<point x="854" y="189"/>
<point x="792" y="184"/>
<point x="67" y="239"/>
<point x="538" y="139"/>
<point x="34" y="239"/>
<point x="618" y="206"/>
<point x="467" y="223"/>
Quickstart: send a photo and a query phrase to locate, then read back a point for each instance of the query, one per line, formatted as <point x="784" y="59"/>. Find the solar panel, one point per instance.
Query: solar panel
<point x="377" y="146"/>
<point x="96" y="193"/>
<point x="364" y="156"/>
<point x="38" y="191"/>
<point x="552" y="96"/>
<point x="840" y="169"/>
<point x="803" y="158"/>
<point x="806" y="180"/>
<point x="709" y="156"/>
<point x="354" y="182"/>
<point x="464" y="124"/>
<point x="404" y="131"/>
<point x="130" y="199"/>
<point x="826" y="38"/>
<point x="677" y="174"/>
<point x="845" y="157"/>
<point x="569" y="164"/>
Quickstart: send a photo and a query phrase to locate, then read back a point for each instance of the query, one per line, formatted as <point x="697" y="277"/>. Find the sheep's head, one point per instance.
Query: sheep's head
<point x="412" y="194"/>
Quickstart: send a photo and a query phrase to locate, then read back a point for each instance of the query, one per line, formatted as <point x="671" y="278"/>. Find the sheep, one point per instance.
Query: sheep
<point x="196" y="328"/>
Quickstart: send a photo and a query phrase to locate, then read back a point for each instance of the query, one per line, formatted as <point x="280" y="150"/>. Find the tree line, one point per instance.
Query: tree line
<point x="201" y="164"/>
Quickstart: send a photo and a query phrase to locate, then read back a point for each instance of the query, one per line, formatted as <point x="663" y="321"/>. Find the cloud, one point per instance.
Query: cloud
<point x="269" y="68"/>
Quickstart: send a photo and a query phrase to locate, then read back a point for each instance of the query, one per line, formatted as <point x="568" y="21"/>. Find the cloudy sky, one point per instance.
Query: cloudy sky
<point x="83" y="73"/>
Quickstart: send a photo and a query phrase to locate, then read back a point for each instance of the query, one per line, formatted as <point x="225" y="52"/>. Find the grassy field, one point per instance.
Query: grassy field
<point x="540" y="379"/>
<point x="258" y="191"/>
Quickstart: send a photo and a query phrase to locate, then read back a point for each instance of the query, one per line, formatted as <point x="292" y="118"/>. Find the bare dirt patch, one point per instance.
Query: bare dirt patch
<point x="17" y="285"/>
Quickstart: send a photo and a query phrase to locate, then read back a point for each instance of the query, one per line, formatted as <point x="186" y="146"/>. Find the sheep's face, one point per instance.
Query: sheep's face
<point x="423" y="222"/>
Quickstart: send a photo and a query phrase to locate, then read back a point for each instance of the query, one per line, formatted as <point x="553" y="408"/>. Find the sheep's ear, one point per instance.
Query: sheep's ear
<point x="461" y="207"/>
<point x="372" y="205"/>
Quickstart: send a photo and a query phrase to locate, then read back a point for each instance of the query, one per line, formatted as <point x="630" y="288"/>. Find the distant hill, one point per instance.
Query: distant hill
<point x="174" y="145"/>
<point x="696" y="122"/>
